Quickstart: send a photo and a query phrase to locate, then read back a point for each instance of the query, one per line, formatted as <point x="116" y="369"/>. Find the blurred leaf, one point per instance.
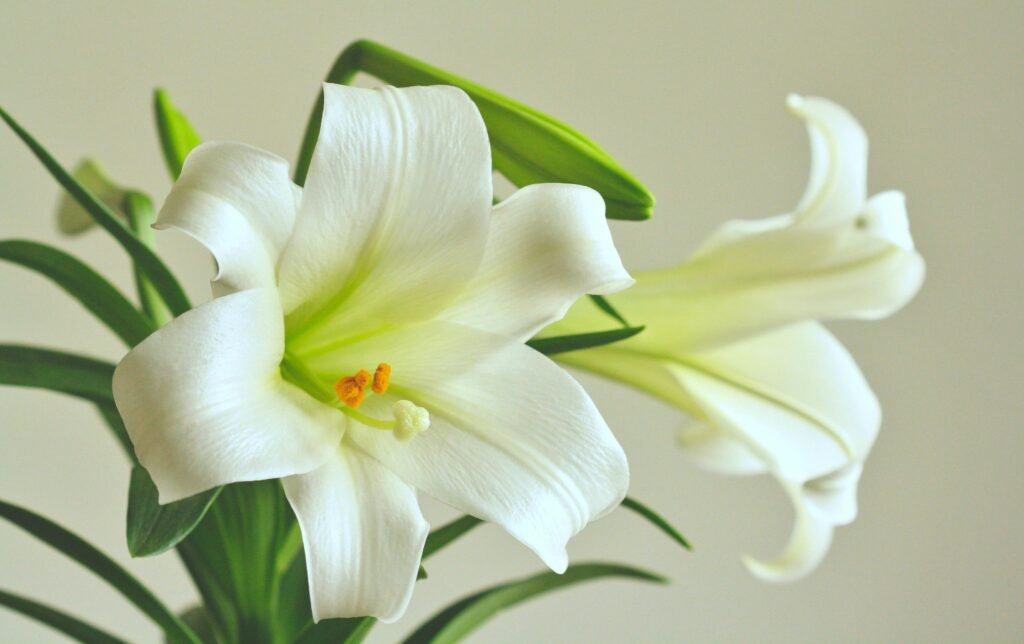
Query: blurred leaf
<point x="168" y="287"/>
<point x="562" y="343"/>
<point x="461" y="618"/>
<point x="82" y="283"/>
<point x="68" y="373"/>
<point x="70" y="626"/>
<point x="527" y="146"/>
<point x="177" y="138"/>
<point x="72" y="219"/>
<point x="103" y="566"/>
<point x="448" y="533"/>
<point x="657" y="520"/>
<point x="154" y="528"/>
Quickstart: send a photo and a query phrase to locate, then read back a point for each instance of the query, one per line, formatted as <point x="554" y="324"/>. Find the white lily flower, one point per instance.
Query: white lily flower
<point x="390" y="261"/>
<point x="732" y="336"/>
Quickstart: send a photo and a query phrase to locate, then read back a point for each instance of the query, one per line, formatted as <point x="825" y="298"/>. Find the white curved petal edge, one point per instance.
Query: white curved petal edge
<point x="839" y="161"/>
<point x="237" y="201"/>
<point x="204" y="403"/>
<point x="819" y="505"/>
<point x="548" y="245"/>
<point x="718" y="451"/>
<point x="513" y="439"/>
<point x="400" y="182"/>
<point x="363" y="535"/>
<point x="808" y="544"/>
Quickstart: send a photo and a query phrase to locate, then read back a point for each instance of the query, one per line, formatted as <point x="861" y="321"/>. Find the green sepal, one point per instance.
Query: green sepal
<point x="563" y="343"/>
<point x="656" y="520"/>
<point x="82" y="283"/>
<point x="177" y="138"/>
<point x="103" y="566"/>
<point x="72" y="219"/>
<point x="527" y="146"/>
<point x="461" y="618"/>
<point x="153" y="528"/>
<point x="71" y="626"/>
<point x="148" y="262"/>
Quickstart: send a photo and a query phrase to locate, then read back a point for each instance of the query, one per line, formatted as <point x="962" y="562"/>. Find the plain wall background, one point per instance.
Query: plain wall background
<point x="690" y="97"/>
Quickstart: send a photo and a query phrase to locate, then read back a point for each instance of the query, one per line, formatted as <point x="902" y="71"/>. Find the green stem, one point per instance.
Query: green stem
<point x="141" y="216"/>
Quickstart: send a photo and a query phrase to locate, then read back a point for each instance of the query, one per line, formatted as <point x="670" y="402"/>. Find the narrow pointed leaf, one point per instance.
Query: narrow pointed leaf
<point x="154" y="528"/>
<point x="177" y="138"/>
<point x="82" y="283"/>
<point x="165" y="283"/>
<point x="527" y="146"/>
<point x="461" y="618"/>
<point x="562" y="343"/>
<point x="108" y="411"/>
<point x="448" y="533"/>
<point x="88" y="556"/>
<point x="70" y="626"/>
<point x="657" y="520"/>
<point x="606" y="306"/>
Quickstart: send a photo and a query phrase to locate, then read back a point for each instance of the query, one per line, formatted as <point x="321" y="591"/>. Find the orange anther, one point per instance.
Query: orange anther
<point x="350" y="391"/>
<point x="362" y="378"/>
<point x="381" y="378"/>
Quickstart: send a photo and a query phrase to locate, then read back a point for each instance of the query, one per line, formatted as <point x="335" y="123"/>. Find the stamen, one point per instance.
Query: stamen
<point x="410" y="420"/>
<point x="381" y="378"/>
<point x="362" y="378"/>
<point x="350" y="391"/>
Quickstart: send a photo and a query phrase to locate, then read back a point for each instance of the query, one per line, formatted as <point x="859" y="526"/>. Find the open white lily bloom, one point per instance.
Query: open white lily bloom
<point x="732" y="339"/>
<point x="391" y="262"/>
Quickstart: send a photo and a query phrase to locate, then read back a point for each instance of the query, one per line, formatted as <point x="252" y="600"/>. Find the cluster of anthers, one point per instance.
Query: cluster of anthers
<point x="409" y="419"/>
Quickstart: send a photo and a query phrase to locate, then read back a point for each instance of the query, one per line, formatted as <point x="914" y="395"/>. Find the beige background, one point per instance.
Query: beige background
<point x="690" y="97"/>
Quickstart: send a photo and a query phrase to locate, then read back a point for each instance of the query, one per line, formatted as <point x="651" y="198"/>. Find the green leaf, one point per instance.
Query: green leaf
<point x="177" y="138"/>
<point x="562" y="343"/>
<point x="165" y="283"/>
<point x="70" y="626"/>
<point x="154" y="528"/>
<point x="448" y="533"/>
<point x="461" y="618"/>
<point x="606" y="306"/>
<point x="352" y="630"/>
<point x="108" y="411"/>
<point x="82" y="283"/>
<point x="99" y="563"/>
<point x="657" y="520"/>
<point x="68" y="373"/>
<point x="72" y="219"/>
<point x="527" y="146"/>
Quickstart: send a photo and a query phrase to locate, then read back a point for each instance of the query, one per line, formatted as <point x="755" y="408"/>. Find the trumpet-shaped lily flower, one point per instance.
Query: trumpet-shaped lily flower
<point x="732" y="336"/>
<point x="366" y="341"/>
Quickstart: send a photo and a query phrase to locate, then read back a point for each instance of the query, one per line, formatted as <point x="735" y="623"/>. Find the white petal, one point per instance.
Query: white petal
<point x="885" y="216"/>
<point x="794" y="396"/>
<point x="513" y="439"/>
<point x="808" y="544"/>
<point x="771" y="278"/>
<point x="548" y="244"/>
<point x="718" y="451"/>
<point x="363" y="535"/>
<point x="239" y="202"/>
<point x="204" y="402"/>
<point x="394" y="213"/>
<point x="835" y="494"/>
<point x="839" y="157"/>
